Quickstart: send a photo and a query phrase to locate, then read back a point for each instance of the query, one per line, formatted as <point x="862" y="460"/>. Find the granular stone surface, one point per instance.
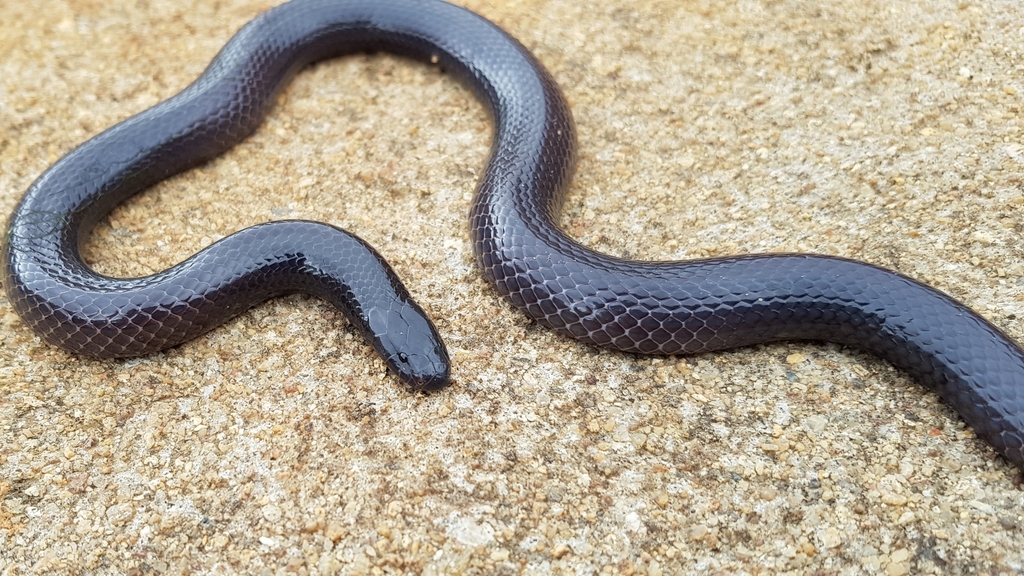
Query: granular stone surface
<point x="886" y="132"/>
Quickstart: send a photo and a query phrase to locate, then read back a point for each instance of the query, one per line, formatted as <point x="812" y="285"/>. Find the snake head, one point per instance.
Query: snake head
<point x="411" y="347"/>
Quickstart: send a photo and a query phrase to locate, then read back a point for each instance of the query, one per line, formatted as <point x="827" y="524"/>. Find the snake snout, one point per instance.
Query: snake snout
<point x="428" y="373"/>
<point x="422" y="370"/>
<point x="411" y="347"/>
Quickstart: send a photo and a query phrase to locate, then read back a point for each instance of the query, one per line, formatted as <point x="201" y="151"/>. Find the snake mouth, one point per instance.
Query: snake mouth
<point x="422" y="374"/>
<point x="431" y="383"/>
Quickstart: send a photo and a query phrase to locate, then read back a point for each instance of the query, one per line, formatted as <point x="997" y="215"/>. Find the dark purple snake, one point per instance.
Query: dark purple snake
<point x="642" y="307"/>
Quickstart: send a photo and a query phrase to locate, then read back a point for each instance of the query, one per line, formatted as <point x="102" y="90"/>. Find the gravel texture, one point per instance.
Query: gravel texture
<point x="887" y="132"/>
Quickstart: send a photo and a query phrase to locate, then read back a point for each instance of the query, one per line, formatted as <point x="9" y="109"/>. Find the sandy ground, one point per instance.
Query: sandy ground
<point x="887" y="132"/>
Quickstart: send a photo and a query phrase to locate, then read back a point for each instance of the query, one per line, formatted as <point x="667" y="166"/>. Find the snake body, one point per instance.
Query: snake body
<point x="641" y="307"/>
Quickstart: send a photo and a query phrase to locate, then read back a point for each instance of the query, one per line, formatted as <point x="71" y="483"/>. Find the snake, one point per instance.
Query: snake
<point x="643" y="307"/>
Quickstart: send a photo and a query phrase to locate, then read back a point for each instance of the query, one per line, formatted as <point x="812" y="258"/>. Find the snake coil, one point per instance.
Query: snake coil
<point x="642" y="307"/>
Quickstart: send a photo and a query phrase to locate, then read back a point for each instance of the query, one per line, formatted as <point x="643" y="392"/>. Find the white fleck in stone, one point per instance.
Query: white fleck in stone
<point x="120" y="513"/>
<point x="815" y="423"/>
<point x="906" y="468"/>
<point x="982" y="507"/>
<point x="871" y="562"/>
<point x="470" y="533"/>
<point x="633" y="522"/>
<point x="894" y="499"/>
<point x="328" y="565"/>
<point x="272" y="513"/>
<point x="1015" y="151"/>
<point x="900" y="555"/>
<point x="830" y="538"/>
<point x="896" y="569"/>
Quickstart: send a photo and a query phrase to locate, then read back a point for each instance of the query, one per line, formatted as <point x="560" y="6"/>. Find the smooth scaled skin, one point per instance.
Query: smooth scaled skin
<point x="640" y="307"/>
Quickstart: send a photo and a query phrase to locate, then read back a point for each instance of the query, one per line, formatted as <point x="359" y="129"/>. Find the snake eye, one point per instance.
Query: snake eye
<point x="403" y="356"/>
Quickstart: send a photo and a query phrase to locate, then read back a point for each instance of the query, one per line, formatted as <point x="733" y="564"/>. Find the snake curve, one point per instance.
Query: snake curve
<point x="641" y="307"/>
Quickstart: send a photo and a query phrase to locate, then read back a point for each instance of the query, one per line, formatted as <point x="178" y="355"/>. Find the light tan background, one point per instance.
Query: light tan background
<point x="888" y="132"/>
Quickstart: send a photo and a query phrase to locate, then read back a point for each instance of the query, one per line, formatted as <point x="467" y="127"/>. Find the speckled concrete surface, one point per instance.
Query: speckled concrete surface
<point x="888" y="132"/>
